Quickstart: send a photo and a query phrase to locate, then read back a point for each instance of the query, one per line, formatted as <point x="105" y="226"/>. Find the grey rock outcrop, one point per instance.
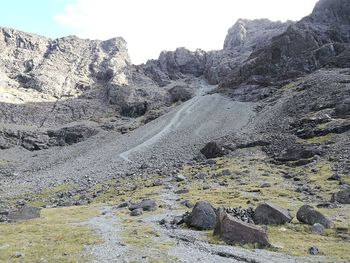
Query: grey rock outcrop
<point x="175" y="65"/>
<point x="318" y="40"/>
<point x="242" y="39"/>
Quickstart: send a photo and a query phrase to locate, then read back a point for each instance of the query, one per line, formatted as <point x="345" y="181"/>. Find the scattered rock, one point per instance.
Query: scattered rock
<point x="180" y="178"/>
<point x="226" y="172"/>
<point x="318" y="228"/>
<point x="265" y="185"/>
<point x="136" y="212"/>
<point x="180" y="93"/>
<point x="342" y="196"/>
<point x="182" y="191"/>
<point x="123" y="205"/>
<point x="308" y="215"/>
<point x="313" y="250"/>
<point x="270" y="214"/>
<point x="201" y="176"/>
<point x="246" y="215"/>
<point x="202" y="217"/>
<point x="145" y="205"/>
<point x="213" y="150"/>
<point x="234" y="231"/>
<point x="187" y="203"/>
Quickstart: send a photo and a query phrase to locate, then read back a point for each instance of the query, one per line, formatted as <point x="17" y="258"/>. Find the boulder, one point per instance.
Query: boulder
<point x="213" y="150"/>
<point x="202" y="217"/>
<point x="145" y="205"/>
<point x="308" y="215"/>
<point x="342" y="196"/>
<point x="136" y="212"/>
<point x="180" y="93"/>
<point x="24" y="213"/>
<point x="270" y="214"/>
<point x="234" y="231"/>
<point x="318" y="228"/>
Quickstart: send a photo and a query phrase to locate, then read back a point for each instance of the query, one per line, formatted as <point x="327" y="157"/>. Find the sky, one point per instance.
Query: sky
<point x="148" y="26"/>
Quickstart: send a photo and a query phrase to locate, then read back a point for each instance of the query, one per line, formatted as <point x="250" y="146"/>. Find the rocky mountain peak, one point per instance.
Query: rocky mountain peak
<point x="253" y="33"/>
<point x="332" y="11"/>
<point x="62" y="67"/>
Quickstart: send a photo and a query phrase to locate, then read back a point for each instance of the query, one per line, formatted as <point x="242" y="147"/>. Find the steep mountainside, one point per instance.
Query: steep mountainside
<point x="318" y="40"/>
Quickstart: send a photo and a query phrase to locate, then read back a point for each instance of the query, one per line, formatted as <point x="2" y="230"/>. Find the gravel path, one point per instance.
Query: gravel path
<point x="188" y="245"/>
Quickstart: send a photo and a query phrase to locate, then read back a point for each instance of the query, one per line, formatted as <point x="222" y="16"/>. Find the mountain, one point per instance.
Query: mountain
<point x="112" y="153"/>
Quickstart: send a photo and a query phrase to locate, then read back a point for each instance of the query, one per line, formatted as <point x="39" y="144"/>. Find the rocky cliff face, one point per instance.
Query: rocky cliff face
<point x="319" y="40"/>
<point x="48" y="83"/>
<point x="242" y="39"/>
<point x="33" y="62"/>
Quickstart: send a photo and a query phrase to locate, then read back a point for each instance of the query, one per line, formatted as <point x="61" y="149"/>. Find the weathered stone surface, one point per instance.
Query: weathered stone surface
<point x="270" y="214"/>
<point x="202" y="217"/>
<point x="180" y="93"/>
<point x="317" y="228"/>
<point x="234" y="231"/>
<point x="343" y="196"/>
<point x="308" y="215"/>
<point x="24" y="213"/>
<point x="136" y="212"/>
<point x="314" y="42"/>
<point x="213" y="150"/>
<point x="145" y="205"/>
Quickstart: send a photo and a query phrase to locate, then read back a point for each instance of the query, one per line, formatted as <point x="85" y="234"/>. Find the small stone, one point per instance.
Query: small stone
<point x="182" y="191"/>
<point x="226" y="172"/>
<point x="180" y="178"/>
<point x="136" y="212"/>
<point x="145" y="205"/>
<point x="313" y="250"/>
<point x="18" y="254"/>
<point x="265" y="185"/>
<point x="317" y="228"/>
<point x="187" y="203"/>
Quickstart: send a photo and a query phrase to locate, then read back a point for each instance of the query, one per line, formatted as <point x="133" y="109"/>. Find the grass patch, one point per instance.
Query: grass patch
<point x="54" y="237"/>
<point x="295" y="239"/>
<point x="318" y="140"/>
<point x="144" y="238"/>
<point x="3" y="162"/>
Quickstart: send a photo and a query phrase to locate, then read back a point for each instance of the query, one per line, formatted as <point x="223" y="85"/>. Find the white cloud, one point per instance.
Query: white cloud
<point x="150" y="26"/>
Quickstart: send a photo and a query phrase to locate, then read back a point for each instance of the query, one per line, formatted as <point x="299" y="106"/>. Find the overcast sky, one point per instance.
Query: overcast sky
<point x="149" y="26"/>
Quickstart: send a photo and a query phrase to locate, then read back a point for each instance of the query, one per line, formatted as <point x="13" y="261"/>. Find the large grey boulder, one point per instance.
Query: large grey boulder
<point x="234" y="231"/>
<point x="202" y="217"/>
<point x="343" y="196"/>
<point x="24" y="213"/>
<point x="308" y="215"/>
<point x="213" y="150"/>
<point x="270" y="214"/>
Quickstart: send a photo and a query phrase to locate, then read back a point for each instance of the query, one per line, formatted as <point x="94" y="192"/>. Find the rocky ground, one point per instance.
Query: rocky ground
<point x="152" y="163"/>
